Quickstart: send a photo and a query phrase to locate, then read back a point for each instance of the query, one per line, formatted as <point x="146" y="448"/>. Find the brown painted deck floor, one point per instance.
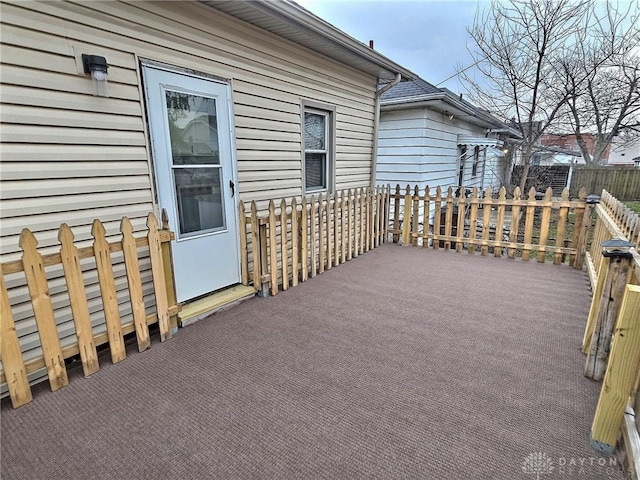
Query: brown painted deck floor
<point x="402" y="363"/>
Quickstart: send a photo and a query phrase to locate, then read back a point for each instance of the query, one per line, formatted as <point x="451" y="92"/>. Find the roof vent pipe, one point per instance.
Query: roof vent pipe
<point x="371" y="44"/>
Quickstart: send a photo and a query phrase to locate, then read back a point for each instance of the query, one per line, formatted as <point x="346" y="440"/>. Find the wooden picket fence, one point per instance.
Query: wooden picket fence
<point x="521" y="227"/>
<point x="613" y="220"/>
<point x="620" y="180"/>
<point x="34" y="265"/>
<point x="298" y="240"/>
<point x="612" y="334"/>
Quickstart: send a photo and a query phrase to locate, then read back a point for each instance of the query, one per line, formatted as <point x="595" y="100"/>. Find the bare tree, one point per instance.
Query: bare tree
<point x="601" y="78"/>
<point x="515" y="52"/>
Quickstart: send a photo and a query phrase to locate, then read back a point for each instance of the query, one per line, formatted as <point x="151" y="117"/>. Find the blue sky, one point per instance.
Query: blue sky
<point x="428" y="37"/>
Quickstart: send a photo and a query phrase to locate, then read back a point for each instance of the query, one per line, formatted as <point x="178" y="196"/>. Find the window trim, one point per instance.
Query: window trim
<point x="330" y="112"/>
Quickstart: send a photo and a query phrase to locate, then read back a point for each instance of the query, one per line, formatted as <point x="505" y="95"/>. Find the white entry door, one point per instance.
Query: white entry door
<point x="190" y="123"/>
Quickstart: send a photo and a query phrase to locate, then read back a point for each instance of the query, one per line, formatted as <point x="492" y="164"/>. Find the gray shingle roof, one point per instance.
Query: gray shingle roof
<point x="410" y="89"/>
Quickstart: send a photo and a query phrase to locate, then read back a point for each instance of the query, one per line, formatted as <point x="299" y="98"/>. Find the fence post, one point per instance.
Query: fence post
<point x="256" y="248"/>
<point x="159" y="280"/>
<point x="242" y="226"/>
<point x="621" y="374"/>
<point x="614" y="285"/>
<point x="169" y="277"/>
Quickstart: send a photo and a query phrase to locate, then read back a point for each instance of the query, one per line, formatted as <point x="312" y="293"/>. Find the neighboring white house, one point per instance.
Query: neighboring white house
<point x="624" y="153"/>
<point x="430" y="136"/>
<point x="205" y="103"/>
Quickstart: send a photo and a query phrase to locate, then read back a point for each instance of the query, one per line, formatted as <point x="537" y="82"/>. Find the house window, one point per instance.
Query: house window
<point x="476" y="162"/>
<point x="317" y="148"/>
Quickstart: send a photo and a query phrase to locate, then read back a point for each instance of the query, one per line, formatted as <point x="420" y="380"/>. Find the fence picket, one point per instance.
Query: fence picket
<point x="12" y="362"/>
<point x="321" y="229"/>
<point x="356" y="223"/>
<point x="336" y="229"/>
<point x="313" y="223"/>
<point x="415" y="215"/>
<point x="436" y="218"/>
<point x="304" y="245"/>
<point x="544" y="225"/>
<point x="108" y="292"/>
<point x="528" y="224"/>
<point x="294" y="242"/>
<point x="350" y="231"/>
<point x="284" y="247"/>
<point x="426" y="200"/>
<point x="515" y="222"/>
<point x="273" y="248"/>
<point x="486" y="220"/>
<point x="562" y="226"/>
<point x="396" y="215"/>
<point x="473" y="220"/>
<point x="497" y="251"/>
<point x="406" y="217"/>
<point x="363" y="222"/>
<point x="448" y="215"/>
<point x="78" y="300"/>
<point x="387" y="212"/>
<point x="461" y="218"/>
<point x="43" y="310"/>
<point x="132" y="265"/>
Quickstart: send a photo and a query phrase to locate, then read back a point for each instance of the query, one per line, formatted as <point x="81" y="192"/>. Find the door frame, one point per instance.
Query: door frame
<point x="151" y="161"/>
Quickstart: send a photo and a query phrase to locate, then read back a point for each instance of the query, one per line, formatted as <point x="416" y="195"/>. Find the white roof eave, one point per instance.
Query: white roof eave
<point x="297" y="24"/>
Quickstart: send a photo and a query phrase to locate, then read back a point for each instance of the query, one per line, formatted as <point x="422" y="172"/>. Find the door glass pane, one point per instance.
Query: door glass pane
<point x="314" y="131"/>
<point x="193" y="129"/>
<point x="199" y="198"/>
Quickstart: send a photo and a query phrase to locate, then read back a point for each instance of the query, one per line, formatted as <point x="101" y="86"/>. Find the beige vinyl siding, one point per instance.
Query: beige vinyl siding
<point x="68" y="156"/>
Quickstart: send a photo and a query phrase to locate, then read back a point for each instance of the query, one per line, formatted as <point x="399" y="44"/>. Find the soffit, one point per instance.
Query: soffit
<point x="289" y="20"/>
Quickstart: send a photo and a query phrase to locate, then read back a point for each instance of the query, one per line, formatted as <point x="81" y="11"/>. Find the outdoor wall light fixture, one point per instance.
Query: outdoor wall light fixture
<point x="616" y="247"/>
<point x="592" y="199"/>
<point x="97" y="67"/>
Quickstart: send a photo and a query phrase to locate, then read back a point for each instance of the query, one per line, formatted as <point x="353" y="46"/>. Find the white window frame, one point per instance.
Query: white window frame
<point x="328" y="112"/>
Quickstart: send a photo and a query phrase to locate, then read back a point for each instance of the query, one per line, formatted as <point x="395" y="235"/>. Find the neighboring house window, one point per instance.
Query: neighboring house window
<point x="462" y="158"/>
<point x="476" y="162"/>
<point x="317" y="147"/>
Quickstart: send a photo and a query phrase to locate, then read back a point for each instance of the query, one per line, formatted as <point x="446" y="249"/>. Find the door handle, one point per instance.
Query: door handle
<point x="233" y="188"/>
